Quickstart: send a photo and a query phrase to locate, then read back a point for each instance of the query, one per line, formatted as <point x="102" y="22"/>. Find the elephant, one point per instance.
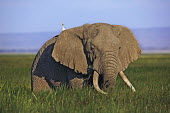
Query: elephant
<point x="88" y="54"/>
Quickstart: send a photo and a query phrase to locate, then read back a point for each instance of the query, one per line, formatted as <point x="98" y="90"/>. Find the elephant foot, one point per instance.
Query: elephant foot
<point x="39" y="84"/>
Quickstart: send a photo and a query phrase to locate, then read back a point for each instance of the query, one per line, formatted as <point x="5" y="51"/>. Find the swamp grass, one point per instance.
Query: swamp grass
<point x="150" y="75"/>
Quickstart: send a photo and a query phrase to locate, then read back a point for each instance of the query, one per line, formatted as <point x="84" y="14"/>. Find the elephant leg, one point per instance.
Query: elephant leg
<point x="75" y="80"/>
<point x="76" y="83"/>
<point x="39" y="84"/>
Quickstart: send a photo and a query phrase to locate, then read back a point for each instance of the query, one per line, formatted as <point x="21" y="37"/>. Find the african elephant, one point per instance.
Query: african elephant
<point x="101" y="49"/>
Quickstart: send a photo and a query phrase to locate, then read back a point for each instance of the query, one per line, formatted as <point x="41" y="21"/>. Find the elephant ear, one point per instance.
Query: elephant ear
<point x="129" y="47"/>
<point x="69" y="50"/>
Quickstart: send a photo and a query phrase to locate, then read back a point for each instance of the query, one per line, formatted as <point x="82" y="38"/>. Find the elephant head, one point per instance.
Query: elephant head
<point x="107" y="48"/>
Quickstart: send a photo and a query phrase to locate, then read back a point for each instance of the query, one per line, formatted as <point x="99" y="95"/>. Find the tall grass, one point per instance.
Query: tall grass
<point x="150" y="75"/>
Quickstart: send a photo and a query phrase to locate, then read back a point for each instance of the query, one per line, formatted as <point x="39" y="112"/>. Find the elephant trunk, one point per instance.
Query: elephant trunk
<point x="109" y="71"/>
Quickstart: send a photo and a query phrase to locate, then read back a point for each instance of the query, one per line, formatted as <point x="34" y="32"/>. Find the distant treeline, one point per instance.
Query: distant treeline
<point x="150" y="49"/>
<point x="19" y="51"/>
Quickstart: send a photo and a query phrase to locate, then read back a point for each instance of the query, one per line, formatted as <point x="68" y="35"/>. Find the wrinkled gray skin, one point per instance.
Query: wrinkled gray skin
<point x="106" y="49"/>
<point x="47" y="74"/>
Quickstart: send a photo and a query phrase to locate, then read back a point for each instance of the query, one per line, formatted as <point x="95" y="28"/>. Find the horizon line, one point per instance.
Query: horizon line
<point x="59" y="30"/>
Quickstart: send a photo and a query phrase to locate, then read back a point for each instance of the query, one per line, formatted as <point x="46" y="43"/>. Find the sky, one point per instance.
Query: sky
<point x="22" y="16"/>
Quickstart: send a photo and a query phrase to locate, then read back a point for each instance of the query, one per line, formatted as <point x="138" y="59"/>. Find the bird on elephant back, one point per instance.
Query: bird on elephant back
<point x="100" y="50"/>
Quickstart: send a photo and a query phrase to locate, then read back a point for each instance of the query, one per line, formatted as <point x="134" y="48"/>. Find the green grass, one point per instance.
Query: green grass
<point x="150" y="75"/>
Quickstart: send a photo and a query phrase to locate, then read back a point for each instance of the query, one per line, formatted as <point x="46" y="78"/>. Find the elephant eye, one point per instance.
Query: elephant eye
<point x="92" y="47"/>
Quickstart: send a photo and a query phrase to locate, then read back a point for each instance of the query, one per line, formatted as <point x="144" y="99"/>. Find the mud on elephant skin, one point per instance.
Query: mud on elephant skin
<point x="65" y="59"/>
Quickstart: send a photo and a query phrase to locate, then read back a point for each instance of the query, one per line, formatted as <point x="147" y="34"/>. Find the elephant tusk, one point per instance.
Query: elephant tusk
<point x="95" y="82"/>
<point x="125" y="79"/>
